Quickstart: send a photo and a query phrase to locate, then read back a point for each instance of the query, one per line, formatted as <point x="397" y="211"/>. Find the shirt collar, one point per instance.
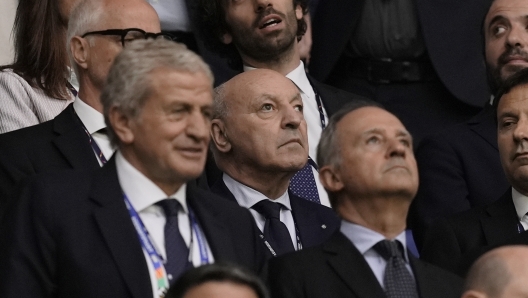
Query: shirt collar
<point x="364" y="239"/>
<point x="92" y="119"/>
<point x="141" y="191"/>
<point x="520" y="202"/>
<point x="298" y="77"/>
<point x="247" y="196"/>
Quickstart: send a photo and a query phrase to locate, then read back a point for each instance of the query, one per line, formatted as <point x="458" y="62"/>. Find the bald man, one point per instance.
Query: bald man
<point x="260" y="142"/>
<point x="499" y="273"/>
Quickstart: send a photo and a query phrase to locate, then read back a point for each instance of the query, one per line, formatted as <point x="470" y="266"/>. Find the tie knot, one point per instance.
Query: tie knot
<point x="389" y="248"/>
<point x="170" y="207"/>
<point x="268" y="208"/>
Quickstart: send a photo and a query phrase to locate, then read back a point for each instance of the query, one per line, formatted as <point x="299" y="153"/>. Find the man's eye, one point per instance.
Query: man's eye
<point x="299" y="108"/>
<point x="267" y="107"/>
<point x="497" y="30"/>
<point x="373" y="140"/>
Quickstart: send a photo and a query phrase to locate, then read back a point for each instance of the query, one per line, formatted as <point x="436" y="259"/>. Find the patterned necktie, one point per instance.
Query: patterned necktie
<point x="302" y="184"/>
<point x="398" y="281"/>
<point x="275" y="231"/>
<point x="177" y="251"/>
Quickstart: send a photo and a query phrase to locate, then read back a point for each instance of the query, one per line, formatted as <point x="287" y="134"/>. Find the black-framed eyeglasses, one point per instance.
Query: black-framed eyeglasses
<point x="130" y="34"/>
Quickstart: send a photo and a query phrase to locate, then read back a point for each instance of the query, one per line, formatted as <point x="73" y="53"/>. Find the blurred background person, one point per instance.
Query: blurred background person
<point x="499" y="273"/>
<point x="219" y="280"/>
<point x="38" y="85"/>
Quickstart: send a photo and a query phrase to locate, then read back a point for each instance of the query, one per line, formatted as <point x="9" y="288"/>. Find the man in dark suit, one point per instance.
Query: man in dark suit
<point x="368" y="168"/>
<point x="132" y="227"/>
<point x="460" y="167"/>
<point x="75" y="139"/>
<point x="454" y="242"/>
<point x="421" y="59"/>
<point x="266" y="34"/>
<point x="260" y="142"/>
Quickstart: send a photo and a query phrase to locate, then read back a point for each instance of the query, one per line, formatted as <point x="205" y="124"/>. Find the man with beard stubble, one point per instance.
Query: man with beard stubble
<point x="265" y="34"/>
<point x="460" y="167"/>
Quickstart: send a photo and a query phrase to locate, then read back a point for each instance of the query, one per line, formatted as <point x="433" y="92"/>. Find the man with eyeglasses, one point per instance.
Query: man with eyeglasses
<point x="76" y="138"/>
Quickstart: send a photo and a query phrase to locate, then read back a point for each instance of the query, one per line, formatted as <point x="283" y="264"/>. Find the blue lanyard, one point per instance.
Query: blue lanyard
<point x="92" y="142"/>
<point x="154" y="256"/>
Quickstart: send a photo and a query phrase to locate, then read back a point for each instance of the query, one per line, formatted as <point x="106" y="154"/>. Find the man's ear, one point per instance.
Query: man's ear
<point x="122" y="125"/>
<point x="331" y="179"/>
<point x="226" y="38"/>
<point x="219" y="136"/>
<point x="80" y="49"/>
<point x="299" y="12"/>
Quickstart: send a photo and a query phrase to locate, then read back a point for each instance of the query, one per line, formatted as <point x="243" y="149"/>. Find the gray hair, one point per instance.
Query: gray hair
<point x="220" y="110"/>
<point x="489" y="275"/>
<point x="128" y="84"/>
<point x="328" y="150"/>
<point x="83" y="18"/>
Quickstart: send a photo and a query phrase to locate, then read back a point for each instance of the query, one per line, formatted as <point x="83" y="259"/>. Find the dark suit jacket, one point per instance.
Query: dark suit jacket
<point x="452" y="243"/>
<point x="459" y="169"/>
<point x="457" y="58"/>
<point x="316" y="223"/>
<point x="57" y="144"/>
<point x="71" y="235"/>
<point x="337" y="269"/>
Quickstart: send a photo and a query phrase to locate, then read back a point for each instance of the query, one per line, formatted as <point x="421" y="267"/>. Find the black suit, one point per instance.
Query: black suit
<point x="316" y="223"/>
<point x="459" y="169"/>
<point x="71" y="235"/>
<point x="454" y="242"/>
<point x="424" y="107"/>
<point x="57" y="144"/>
<point x="337" y="269"/>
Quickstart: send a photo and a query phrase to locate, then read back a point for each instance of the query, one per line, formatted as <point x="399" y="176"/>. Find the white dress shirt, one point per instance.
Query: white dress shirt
<point x="173" y="15"/>
<point x="364" y="239"/>
<point x="143" y="194"/>
<point x="93" y="120"/>
<point x="312" y="117"/>
<point x="248" y="197"/>
<point x="520" y="202"/>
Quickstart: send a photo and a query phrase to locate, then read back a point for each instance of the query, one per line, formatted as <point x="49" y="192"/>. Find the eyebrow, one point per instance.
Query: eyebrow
<point x="507" y="114"/>
<point x="399" y="133"/>
<point x="496" y="19"/>
<point x="296" y="97"/>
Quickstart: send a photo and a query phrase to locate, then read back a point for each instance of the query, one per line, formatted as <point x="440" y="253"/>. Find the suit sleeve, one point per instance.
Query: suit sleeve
<point x="441" y="246"/>
<point x="443" y="190"/>
<point x="27" y="261"/>
<point x="283" y="281"/>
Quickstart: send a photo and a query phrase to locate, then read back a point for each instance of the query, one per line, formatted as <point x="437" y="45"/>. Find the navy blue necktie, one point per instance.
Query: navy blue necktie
<point x="177" y="251"/>
<point x="398" y="281"/>
<point x="275" y="231"/>
<point x="302" y="184"/>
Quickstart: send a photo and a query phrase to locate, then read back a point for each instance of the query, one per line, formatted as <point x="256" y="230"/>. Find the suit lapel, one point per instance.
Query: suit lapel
<point x="351" y="267"/>
<point x="484" y="125"/>
<point x="500" y="220"/>
<point x="72" y="142"/>
<point x="114" y="222"/>
<point x="221" y="189"/>
<point x="328" y="98"/>
<point x="426" y="281"/>
<point x="217" y="234"/>
<point x="307" y="221"/>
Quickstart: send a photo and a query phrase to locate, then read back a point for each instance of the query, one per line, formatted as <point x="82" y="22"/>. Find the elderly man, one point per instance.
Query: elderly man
<point x="259" y="134"/>
<point x="454" y="242"/>
<point x="266" y="34"/>
<point x="500" y="273"/>
<point x="368" y="168"/>
<point x="132" y="227"/>
<point x="76" y="138"/>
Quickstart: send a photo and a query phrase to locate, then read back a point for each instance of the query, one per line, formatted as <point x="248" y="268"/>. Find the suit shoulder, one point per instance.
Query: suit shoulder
<point x="321" y="210"/>
<point x="437" y="279"/>
<point x="26" y="137"/>
<point x="216" y="202"/>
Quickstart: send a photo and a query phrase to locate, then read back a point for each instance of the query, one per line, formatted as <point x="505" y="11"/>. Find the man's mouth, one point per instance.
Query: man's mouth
<point x="270" y="23"/>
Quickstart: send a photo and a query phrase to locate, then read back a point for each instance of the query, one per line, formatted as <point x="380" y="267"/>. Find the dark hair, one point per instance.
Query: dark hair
<point x="517" y="79"/>
<point x="212" y="26"/>
<point x="219" y="272"/>
<point x="40" y="47"/>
